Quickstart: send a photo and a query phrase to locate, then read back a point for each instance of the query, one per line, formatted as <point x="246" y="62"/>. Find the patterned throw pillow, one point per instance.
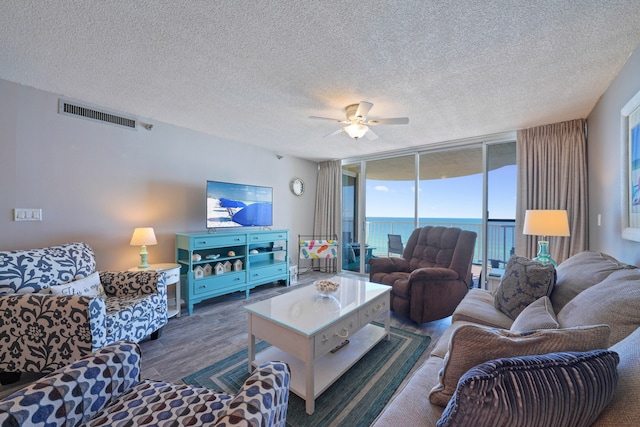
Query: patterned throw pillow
<point x="471" y="345"/>
<point x="89" y="286"/>
<point x="525" y="391"/>
<point x="524" y="281"/>
<point x="538" y="315"/>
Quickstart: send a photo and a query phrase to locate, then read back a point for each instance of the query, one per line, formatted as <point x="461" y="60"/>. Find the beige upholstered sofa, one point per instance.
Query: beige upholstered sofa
<point x="591" y="288"/>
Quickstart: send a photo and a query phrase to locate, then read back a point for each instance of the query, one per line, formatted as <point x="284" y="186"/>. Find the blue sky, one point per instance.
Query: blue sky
<point x="459" y="197"/>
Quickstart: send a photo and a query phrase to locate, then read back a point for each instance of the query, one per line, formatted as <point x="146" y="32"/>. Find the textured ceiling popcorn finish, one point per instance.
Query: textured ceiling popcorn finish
<point x="253" y="72"/>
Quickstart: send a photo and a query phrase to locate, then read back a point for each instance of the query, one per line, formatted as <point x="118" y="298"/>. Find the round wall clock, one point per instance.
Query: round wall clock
<point x="297" y="186"/>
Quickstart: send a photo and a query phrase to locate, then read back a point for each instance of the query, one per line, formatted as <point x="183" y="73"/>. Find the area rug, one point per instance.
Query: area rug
<point x="355" y="399"/>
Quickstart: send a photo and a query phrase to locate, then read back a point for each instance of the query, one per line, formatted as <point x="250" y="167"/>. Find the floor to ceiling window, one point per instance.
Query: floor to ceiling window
<point x="350" y="210"/>
<point x="451" y="190"/>
<point x="437" y="187"/>
<point x="501" y="205"/>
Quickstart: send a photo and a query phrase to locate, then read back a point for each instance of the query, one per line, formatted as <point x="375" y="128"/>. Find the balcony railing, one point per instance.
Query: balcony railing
<point x="500" y="239"/>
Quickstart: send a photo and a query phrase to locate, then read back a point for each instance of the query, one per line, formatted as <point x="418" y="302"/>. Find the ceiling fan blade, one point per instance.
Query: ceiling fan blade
<point x="326" y="118"/>
<point x="370" y="135"/>
<point x="363" y="109"/>
<point x="391" y="121"/>
<point x="334" y="133"/>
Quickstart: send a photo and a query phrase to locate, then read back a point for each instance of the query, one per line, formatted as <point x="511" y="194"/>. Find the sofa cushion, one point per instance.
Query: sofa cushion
<point x="471" y="345"/>
<point x="523" y="282"/>
<point x="160" y="403"/>
<point x="524" y="391"/>
<point x="538" y="315"/>
<point x="624" y="409"/>
<point x="478" y="307"/>
<point x="89" y="286"/>
<point x="580" y="272"/>
<point x="409" y="407"/>
<point x="30" y="271"/>
<point x="614" y="301"/>
<point x="133" y="317"/>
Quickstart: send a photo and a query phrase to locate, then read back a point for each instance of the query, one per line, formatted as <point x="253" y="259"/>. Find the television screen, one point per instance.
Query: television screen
<point x="238" y="205"/>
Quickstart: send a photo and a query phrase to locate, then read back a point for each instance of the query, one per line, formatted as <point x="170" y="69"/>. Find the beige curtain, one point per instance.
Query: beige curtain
<point x="552" y="174"/>
<point x="328" y="215"/>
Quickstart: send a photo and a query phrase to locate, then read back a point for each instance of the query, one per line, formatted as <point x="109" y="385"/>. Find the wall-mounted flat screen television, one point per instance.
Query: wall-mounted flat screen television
<point x="238" y="205"/>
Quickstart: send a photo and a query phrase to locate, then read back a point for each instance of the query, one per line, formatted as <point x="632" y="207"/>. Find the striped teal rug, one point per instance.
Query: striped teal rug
<point x="355" y="399"/>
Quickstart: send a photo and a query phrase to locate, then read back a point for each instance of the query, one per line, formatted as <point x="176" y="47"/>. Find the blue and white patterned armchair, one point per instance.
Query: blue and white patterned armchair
<point x="104" y="389"/>
<point x="41" y="332"/>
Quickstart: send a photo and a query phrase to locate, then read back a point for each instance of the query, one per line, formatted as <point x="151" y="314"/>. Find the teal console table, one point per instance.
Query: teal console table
<point x="214" y="264"/>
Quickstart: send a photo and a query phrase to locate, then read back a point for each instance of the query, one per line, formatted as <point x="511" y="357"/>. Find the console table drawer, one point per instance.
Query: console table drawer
<point x="372" y="311"/>
<point x="267" y="237"/>
<point x="261" y="273"/>
<point x="206" y="242"/>
<point x="218" y="283"/>
<point x="334" y="335"/>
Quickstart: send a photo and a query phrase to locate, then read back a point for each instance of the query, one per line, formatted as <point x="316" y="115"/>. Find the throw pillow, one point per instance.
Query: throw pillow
<point x="471" y="345"/>
<point x="524" y="391"/>
<point x="614" y="301"/>
<point x="523" y="282"/>
<point x="538" y="315"/>
<point x="88" y="286"/>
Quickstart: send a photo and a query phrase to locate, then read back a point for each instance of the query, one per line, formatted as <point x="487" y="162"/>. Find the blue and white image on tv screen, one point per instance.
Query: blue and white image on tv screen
<point x="238" y="205"/>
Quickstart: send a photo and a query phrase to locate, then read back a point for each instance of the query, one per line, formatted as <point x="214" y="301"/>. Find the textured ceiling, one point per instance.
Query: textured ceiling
<point x="254" y="71"/>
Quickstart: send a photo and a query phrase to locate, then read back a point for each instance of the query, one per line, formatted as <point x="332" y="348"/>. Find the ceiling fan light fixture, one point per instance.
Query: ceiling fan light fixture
<point x="356" y="130"/>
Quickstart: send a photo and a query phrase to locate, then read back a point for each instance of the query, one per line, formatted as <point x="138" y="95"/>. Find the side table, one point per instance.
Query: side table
<point x="172" y="274"/>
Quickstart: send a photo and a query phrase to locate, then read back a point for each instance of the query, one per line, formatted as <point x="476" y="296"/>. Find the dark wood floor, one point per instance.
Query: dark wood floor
<point x="218" y="328"/>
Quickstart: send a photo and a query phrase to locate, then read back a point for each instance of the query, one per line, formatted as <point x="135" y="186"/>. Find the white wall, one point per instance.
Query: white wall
<point x="605" y="165"/>
<point x="96" y="182"/>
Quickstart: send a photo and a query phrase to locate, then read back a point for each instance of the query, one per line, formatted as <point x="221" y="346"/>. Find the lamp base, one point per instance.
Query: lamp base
<point x="143" y="257"/>
<point x="544" y="257"/>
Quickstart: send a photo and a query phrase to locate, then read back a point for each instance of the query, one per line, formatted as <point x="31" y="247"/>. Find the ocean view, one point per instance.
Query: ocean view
<point x="501" y="238"/>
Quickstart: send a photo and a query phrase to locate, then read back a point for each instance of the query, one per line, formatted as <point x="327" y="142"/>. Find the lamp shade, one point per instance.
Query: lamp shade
<point x="143" y="236"/>
<point x="546" y="223"/>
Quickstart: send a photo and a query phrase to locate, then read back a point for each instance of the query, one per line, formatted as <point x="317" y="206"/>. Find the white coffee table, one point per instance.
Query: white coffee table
<point x="303" y="328"/>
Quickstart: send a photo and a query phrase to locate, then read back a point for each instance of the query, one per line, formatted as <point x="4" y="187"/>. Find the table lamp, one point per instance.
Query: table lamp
<point x="545" y="223"/>
<point x="142" y="237"/>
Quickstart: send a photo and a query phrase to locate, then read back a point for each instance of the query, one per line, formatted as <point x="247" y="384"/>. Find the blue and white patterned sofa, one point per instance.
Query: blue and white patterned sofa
<point x="104" y="389"/>
<point x="41" y="332"/>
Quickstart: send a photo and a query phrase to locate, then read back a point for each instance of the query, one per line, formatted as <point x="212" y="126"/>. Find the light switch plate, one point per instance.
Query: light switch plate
<point x="22" y="214"/>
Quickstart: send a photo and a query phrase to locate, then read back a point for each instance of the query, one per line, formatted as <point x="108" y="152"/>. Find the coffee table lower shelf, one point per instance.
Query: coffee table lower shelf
<point x="329" y="367"/>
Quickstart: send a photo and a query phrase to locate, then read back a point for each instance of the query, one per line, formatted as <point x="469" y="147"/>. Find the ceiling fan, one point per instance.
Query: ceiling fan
<point x="357" y="124"/>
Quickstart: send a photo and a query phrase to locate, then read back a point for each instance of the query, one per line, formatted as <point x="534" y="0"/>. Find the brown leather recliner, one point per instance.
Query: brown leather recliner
<point x="433" y="275"/>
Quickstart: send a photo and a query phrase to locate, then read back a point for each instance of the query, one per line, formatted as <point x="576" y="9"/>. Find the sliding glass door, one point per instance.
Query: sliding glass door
<point x="384" y="200"/>
<point x="451" y="190"/>
<point x="501" y="207"/>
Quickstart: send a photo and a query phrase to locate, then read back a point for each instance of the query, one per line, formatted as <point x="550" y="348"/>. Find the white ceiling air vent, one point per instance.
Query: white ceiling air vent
<point x="72" y="108"/>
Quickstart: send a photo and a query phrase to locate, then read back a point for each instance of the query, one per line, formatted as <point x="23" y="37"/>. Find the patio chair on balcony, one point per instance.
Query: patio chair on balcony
<point x="433" y="275"/>
<point x="394" y="245"/>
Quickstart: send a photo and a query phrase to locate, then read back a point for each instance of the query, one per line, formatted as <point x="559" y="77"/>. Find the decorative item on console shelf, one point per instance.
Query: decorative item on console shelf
<point x="321" y="251"/>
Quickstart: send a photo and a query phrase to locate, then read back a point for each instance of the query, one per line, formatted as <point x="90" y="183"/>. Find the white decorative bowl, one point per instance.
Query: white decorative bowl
<point x="326" y="287"/>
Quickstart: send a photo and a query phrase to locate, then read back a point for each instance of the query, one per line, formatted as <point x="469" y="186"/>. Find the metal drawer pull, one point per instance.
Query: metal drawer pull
<point x="346" y="333"/>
